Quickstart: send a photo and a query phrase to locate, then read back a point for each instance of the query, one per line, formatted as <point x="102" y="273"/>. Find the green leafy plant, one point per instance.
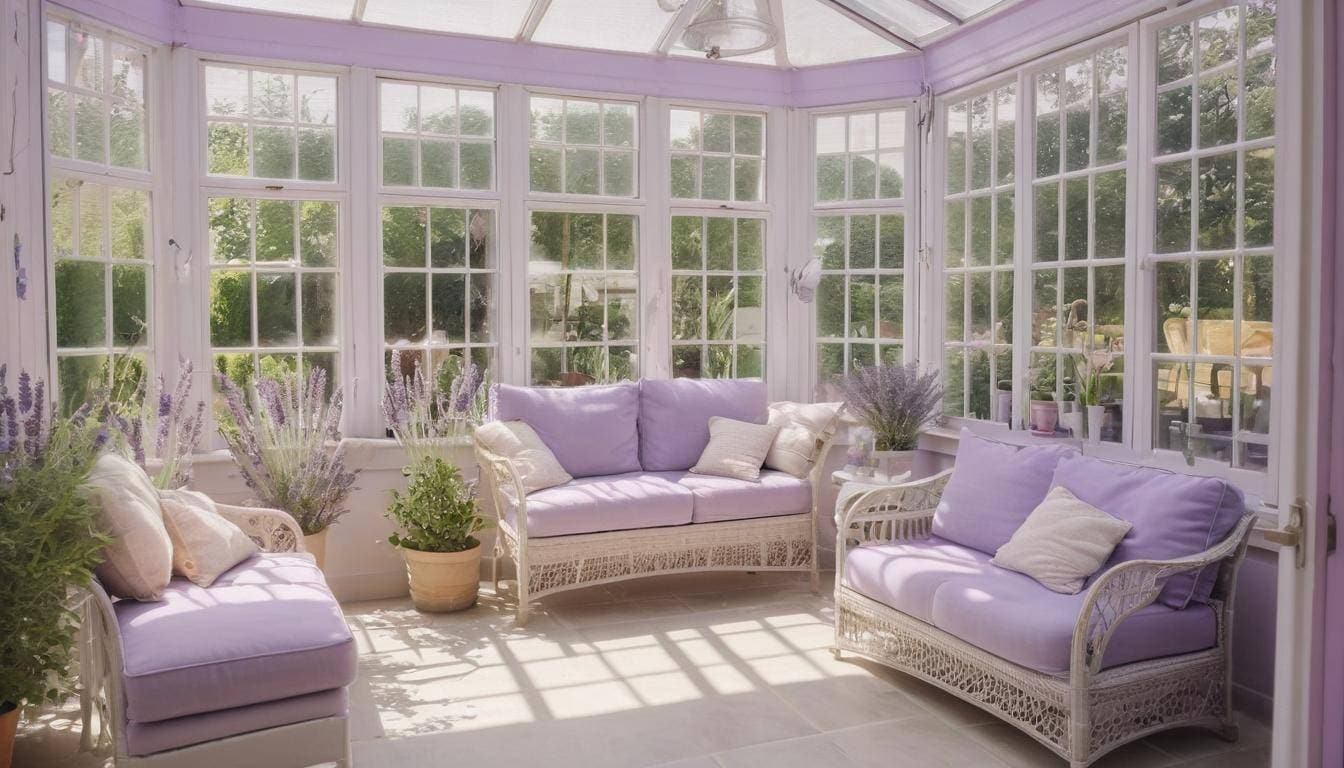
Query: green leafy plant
<point x="49" y="542"/>
<point x="438" y="511"/>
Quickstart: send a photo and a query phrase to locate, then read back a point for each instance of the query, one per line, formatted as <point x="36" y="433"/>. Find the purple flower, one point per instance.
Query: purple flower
<point x="896" y="401"/>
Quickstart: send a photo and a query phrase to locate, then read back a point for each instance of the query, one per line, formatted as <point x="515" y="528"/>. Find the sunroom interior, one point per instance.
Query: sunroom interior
<point x="674" y="382"/>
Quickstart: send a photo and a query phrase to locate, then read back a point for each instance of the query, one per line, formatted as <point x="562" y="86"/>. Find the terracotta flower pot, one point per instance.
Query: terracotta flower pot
<point x="9" y="725"/>
<point x="443" y="581"/>
<point x="1044" y="416"/>
<point x="316" y="543"/>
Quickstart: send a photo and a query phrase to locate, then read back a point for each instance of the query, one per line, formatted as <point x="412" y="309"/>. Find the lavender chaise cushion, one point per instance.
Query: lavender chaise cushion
<point x="994" y="487"/>
<point x="268" y="629"/>
<point x="612" y="503"/>
<point x="150" y="738"/>
<point x="725" y="498"/>
<point x="674" y="416"/>
<point x="591" y="430"/>
<point x="1173" y="515"/>
<point x="905" y="575"/>
<point x="1013" y="617"/>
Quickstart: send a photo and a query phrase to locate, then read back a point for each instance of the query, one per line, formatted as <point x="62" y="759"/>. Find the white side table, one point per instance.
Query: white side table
<point x="853" y="485"/>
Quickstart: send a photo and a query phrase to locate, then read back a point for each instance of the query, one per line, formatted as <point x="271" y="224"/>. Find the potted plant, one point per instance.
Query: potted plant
<point x="896" y="402"/>
<point x="1044" y="409"/>
<point x="1004" y="395"/>
<point x="158" y="429"/>
<point x="287" y="443"/>
<point x="438" y="511"/>
<point x="1092" y="366"/>
<point x="49" y="546"/>
<point x="1070" y="414"/>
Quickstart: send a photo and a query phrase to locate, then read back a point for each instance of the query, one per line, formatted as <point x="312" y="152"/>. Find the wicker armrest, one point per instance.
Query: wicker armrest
<point x="893" y="513"/>
<point x="505" y="485"/>
<point x="1129" y="586"/>
<point x="271" y="529"/>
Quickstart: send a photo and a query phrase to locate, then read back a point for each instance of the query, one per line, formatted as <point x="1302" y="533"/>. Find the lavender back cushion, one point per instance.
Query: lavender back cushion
<point x="1173" y="515"/>
<point x="674" y="416"/>
<point x="994" y="487"/>
<point x="591" y="430"/>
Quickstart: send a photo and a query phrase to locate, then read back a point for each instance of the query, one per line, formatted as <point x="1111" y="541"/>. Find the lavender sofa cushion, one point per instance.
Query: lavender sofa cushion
<point x="994" y="487"/>
<point x="1173" y="515"/>
<point x="726" y="498"/>
<point x="905" y="575"/>
<point x="612" y="503"/>
<point x="268" y="629"/>
<point x="1011" y="616"/>
<point x="150" y="738"/>
<point x="674" y="416"/>
<point x="591" y="430"/>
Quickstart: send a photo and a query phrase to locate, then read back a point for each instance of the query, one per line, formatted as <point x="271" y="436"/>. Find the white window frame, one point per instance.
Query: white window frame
<point x="458" y="192"/>
<point x="761" y="204"/>
<point x="638" y="149"/>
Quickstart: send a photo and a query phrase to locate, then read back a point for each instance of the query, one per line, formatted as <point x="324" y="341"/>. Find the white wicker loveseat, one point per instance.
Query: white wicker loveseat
<point x="1092" y="705"/>
<point x="725" y="524"/>
<point x="284" y="716"/>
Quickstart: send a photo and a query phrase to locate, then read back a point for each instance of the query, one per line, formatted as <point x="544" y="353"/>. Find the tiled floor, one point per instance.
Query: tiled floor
<point x="694" y="671"/>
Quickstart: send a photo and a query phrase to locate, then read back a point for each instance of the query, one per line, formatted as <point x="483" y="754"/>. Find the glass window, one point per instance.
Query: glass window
<point x="583" y="297"/>
<point x="860" y="156"/>
<point x="861" y="297"/>
<point x="436" y="136"/>
<point x="717" y="155"/>
<point x="978" y="252"/>
<point x="584" y="146"/>
<point x="95" y="97"/>
<point x="439" y="266"/>
<point x="1213" y="346"/>
<point x="718" y="297"/>
<point x="1079" y="234"/>
<point x="274" y="286"/>
<point x="270" y="124"/>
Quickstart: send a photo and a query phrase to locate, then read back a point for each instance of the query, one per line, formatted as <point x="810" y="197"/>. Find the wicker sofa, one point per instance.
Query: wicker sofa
<point x="1142" y="648"/>
<point x="633" y="509"/>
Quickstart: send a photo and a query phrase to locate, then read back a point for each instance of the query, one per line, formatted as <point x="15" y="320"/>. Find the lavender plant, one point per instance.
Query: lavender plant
<point x="423" y="418"/>
<point x="166" y="415"/>
<point x="281" y="436"/>
<point x="895" y="401"/>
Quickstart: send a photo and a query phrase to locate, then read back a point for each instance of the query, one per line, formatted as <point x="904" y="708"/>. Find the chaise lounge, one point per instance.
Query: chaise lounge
<point x="1142" y="648"/>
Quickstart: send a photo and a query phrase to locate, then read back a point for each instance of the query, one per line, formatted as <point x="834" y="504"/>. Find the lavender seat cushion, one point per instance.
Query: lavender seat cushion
<point x="613" y="503"/>
<point x="1011" y="616"/>
<point x="674" y="416"/>
<point x="150" y="738"/>
<point x="266" y="630"/>
<point x="994" y="487"/>
<point x="726" y="498"/>
<point x="1173" y="515"/>
<point x="591" y="430"/>
<point x="905" y="575"/>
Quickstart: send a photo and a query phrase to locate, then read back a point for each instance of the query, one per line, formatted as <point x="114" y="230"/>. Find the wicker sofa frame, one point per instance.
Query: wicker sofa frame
<point x="313" y="742"/>
<point x="547" y="565"/>
<point x="1080" y="716"/>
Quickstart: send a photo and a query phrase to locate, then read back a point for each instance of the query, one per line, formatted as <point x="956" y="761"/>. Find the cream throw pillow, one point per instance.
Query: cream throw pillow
<point x="1062" y="542"/>
<point x="736" y="449"/>
<point x="803" y="427"/>
<point x="517" y="441"/>
<point x="139" y="562"/>
<point x="205" y="545"/>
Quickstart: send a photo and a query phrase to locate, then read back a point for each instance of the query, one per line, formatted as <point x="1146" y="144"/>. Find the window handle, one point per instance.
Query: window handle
<point x="181" y="265"/>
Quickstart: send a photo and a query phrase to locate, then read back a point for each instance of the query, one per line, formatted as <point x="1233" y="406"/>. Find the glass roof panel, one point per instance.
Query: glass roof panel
<point x="903" y="16"/>
<point x="815" y="34"/>
<point x="614" y="25"/>
<point x="964" y="9"/>
<point x="489" y="18"/>
<point x="324" y="9"/>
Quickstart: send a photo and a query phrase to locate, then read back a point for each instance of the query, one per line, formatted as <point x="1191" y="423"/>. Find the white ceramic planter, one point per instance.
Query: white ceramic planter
<point x="893" y="464"/>
<point x="1095" y="415"/>
<point x="443" y="581"/>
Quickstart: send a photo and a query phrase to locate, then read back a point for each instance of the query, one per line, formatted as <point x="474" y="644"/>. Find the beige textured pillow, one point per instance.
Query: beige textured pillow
<point x="736" y="449"/>
<point x="139" y="562"/>
<point x="205" y="545"/>
<point x="517" y="441"/>
<point x="1062" y="542"/>
<point x="803" y="427"/>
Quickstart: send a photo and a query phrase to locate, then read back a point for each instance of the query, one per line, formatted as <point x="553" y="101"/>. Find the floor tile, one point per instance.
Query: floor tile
<point x="924" y="741"/>
<point x="812" y="752"/>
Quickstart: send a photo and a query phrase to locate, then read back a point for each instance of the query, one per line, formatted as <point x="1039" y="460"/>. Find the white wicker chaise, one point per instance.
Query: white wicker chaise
<point x="1083" y="714"/>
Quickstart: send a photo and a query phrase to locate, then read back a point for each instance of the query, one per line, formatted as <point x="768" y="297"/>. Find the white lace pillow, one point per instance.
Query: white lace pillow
<point x="1062" y="542"/>
<point x="517" y="441"/>
<point x="736" y="449"/>
<point x="139" y="562"/>
<point x="205" y="545"/>
<point x="802" y="429"/>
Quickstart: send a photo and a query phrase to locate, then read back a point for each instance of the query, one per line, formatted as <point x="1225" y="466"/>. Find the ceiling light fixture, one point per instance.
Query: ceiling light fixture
<point x="727" y="28"/>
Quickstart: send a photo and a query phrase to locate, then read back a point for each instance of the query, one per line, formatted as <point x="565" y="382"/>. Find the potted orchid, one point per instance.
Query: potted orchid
<point x="896" y="402"/>
<point x="1090" y="367"/>
<point x="438" y="515"/>
<point x="286" y="440"/>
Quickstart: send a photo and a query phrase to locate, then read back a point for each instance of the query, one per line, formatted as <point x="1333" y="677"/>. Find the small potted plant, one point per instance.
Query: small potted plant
<point x="896" y="402"/>
<point x="1044" y="409"/>
<point x="438" y="511"/>
<point x="1004" y="395"/>
<point x="287" y="443"/>
<point x="1092" y="367"/>
<point x="48" y="549"/>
